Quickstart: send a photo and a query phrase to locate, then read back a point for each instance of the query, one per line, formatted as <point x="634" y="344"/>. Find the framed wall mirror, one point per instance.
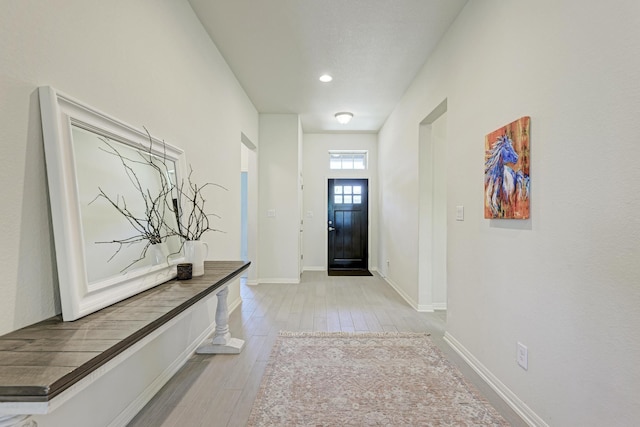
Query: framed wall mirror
<point x="113" y="203"/>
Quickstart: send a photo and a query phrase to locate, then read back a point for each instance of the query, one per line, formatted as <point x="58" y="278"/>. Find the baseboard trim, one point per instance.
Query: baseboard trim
<point x="145" y="397"/>
<point x="521" y="408"/>
<point x="232" y="305"/>
<point x="421" y="308"/>
<point x="406" y="297"/>
<point x="439" y="305"/>
<point x="426" y="308"/>
<point x="283" y="281"/>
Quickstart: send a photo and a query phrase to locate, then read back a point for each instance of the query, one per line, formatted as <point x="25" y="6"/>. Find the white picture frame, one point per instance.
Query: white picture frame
<point x="82" y="291"/>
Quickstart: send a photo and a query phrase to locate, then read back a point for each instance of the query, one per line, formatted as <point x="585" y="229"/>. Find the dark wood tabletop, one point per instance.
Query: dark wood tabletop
<point x="40" y="361"/>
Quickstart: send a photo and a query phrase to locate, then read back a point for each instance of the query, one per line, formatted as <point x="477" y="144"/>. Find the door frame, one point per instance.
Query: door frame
<point x="252" y="206"/>
<point x="428" y="261"/>
<point x="326" y="216"/>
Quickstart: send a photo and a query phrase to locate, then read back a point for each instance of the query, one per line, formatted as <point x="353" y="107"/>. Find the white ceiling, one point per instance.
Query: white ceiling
<point x="373" y="49"/>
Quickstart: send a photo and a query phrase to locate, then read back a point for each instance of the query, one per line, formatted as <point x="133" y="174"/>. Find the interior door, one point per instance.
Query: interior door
<point x="348" y="220"/>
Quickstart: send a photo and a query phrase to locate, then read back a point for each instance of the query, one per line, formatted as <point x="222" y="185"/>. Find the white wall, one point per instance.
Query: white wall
<point x="316" y="173"/>
<point x="565" y="282"/>
<point x="278" y="235"/>
<point x="147" y="63"/>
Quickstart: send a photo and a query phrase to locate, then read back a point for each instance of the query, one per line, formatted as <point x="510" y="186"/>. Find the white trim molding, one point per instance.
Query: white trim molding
<point x="17" y="421"/>
<point x="423" y="308"/>
<point x="282" y="281"/>
<point x="81" y="292"/>
<point x="136" y="406"/>
<point x="521" y="408"/>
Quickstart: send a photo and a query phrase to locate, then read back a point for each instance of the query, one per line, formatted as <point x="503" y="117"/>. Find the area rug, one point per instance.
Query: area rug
<point x="365" y="379"/>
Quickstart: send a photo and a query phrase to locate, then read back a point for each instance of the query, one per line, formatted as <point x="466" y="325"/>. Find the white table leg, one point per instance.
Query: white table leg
<point x="222" y="343"/>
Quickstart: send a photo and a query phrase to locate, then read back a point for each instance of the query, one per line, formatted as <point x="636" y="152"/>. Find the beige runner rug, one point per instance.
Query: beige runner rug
<point x="365" y="379"/>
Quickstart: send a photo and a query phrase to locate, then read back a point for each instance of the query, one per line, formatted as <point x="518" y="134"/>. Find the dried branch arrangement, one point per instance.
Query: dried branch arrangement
<point x="193" y="225"/>
<point x="184" y="202"/>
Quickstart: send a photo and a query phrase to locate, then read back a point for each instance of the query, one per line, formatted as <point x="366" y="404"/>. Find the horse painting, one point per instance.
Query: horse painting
<point x="506" y="172"/>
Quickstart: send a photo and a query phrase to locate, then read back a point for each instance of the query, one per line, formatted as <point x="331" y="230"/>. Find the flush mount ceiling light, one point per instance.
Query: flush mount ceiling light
<point x="325" y="78"/>
<point x="344" y="117"/>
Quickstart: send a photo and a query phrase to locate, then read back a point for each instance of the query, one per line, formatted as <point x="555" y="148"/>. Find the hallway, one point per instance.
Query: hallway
<point x="219" y="390"/>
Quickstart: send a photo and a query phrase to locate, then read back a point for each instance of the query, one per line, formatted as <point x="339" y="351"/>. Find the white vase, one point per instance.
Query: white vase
<point x="196" y="252"/>
<point x="158" y="254"/>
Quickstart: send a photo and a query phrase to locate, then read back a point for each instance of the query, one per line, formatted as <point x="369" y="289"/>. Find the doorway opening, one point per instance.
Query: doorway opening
<point x="248" y="207"/>
<point x="432" y="246"/>
<point x="348" y="227"/>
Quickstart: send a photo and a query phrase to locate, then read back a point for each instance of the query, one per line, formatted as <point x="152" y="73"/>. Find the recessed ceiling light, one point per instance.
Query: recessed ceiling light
<point x="325" y="78"/>
<point x="344" y="117"/>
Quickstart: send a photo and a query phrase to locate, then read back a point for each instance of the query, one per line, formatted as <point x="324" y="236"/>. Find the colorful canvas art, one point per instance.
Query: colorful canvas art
<point x="506" y="171"/>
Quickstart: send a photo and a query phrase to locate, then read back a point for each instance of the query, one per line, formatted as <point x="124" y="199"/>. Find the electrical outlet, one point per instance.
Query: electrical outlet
<point x="522" y="356"/>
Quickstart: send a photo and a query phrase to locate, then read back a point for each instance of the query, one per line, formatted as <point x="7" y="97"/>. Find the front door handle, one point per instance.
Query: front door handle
<point x="331" y="228"/>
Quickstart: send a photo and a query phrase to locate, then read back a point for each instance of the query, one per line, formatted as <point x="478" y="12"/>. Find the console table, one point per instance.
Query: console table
<point x="42" y="362"/>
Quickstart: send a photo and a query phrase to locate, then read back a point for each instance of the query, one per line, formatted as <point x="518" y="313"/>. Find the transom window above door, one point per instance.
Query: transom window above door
<point x="347" y="159"/>
<point x="347" y="194"/>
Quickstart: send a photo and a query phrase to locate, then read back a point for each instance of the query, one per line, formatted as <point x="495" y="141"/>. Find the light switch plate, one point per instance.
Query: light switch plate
<point x="523" y="356"/>
<point x="459" y="213"/>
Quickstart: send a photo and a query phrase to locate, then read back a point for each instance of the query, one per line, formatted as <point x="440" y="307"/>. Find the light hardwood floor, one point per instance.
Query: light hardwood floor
<point x="218" y="390"/>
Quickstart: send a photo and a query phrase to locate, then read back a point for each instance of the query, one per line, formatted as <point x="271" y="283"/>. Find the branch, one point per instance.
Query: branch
<point x="196" y="221"/>
<point x="149" y="224"/>
<point x="184" y="202"/>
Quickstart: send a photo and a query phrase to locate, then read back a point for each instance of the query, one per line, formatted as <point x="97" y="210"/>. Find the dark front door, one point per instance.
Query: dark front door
<point x="348" y="224"/>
